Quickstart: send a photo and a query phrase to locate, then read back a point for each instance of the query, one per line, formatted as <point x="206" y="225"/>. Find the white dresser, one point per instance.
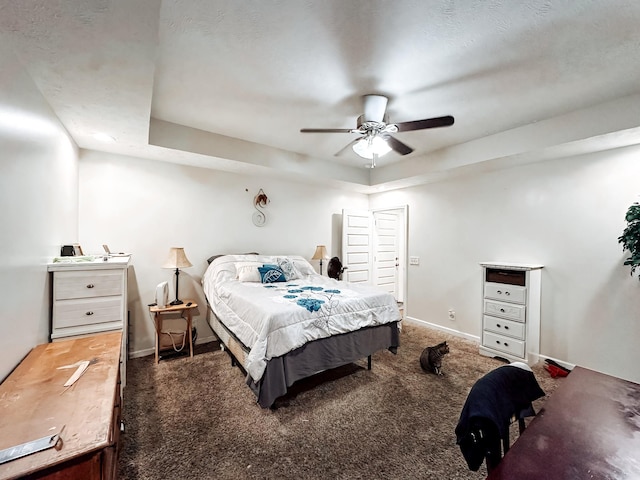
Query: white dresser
<point x="511" y="311"/>
<point x="90" y="297"/>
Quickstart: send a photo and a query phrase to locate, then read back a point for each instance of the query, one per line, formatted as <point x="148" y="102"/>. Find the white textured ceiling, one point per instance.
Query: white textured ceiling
<point x="228" y="84"/>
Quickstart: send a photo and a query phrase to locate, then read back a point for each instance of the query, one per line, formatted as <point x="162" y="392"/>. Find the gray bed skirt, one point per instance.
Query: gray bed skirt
<point x="313" y="357"/>
<point x="320" y="355"/>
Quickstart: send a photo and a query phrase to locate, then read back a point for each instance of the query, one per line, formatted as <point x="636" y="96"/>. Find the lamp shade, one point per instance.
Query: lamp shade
<point x="177" y="259"/>
<point x="321" y="253"/>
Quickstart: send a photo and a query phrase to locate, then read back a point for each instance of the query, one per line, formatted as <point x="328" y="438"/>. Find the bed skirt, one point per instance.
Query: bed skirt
<point x="309" y="359"/>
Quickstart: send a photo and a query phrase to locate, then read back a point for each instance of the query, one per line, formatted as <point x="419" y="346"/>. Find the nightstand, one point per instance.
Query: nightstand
<point x="185" y="308"/>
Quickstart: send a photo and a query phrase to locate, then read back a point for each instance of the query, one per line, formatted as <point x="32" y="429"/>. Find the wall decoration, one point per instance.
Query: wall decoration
<point x="260" y="201"/>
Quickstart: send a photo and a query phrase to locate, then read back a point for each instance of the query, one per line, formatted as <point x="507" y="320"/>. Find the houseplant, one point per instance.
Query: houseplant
<point x="630" y="238"/>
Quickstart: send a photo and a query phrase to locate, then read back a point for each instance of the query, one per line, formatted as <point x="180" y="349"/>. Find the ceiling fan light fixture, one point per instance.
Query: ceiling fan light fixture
<point x="368" y="146"/>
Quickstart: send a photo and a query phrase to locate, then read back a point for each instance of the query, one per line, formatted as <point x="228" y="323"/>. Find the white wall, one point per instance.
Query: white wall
<point x="566" y="214"/>
<point x="145" y="207"/>
<point x="38" y="208"/>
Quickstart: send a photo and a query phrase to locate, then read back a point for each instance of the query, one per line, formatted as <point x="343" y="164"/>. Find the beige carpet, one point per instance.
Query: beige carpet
<point x="195" y="418"/>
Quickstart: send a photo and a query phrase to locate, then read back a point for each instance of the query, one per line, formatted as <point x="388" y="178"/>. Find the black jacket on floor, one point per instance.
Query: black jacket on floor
<point x="493" y="400"/>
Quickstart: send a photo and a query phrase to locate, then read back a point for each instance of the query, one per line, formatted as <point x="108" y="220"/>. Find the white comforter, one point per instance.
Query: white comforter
<point x="273" y="319"/>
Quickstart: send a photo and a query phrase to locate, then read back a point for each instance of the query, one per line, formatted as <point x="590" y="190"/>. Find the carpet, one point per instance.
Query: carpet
<point x="195" y="418"/>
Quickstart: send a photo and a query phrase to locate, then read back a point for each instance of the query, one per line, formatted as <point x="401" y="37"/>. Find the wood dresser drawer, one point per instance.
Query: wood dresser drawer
<point x="503" y="344"/>
<point x="505" y="293"/>
<point x="505" y="310"/>
<point x="88" y="311"/>
<point x="86" y="284"/>
<point x="504" y="327"/>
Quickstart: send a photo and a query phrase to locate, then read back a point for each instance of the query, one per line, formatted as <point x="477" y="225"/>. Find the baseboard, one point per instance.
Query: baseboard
<point x="560" y="362"/>
<point x="476" y="339"/>
<point x="450" y="331"/>
<point x="152" y="351"/>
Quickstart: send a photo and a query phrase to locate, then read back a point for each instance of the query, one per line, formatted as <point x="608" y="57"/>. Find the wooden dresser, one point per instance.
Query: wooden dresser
<point x="34" y="403"/>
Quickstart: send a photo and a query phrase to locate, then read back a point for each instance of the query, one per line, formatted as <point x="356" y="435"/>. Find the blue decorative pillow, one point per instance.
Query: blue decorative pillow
<point x="271" y="274"/>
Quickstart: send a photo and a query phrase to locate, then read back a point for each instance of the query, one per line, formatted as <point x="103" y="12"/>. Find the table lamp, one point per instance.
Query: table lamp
<point x="177" y="259"/>
<point x="320" y="254"/>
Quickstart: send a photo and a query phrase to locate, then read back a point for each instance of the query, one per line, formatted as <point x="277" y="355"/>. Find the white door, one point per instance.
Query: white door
<point x="374" y="248"/>
<point x="385" y="258"/>
<point x="357" y="253"/>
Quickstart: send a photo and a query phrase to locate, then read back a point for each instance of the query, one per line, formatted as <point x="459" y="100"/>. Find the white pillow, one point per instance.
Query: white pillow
<point x="248" y="271"/>
<point x="303" y="267"/>
<point x="288" y="268"/>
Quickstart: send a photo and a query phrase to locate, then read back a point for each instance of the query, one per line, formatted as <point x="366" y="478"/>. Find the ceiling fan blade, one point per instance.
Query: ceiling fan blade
<point x="346" y="147"/>
<point x="326" y="130"/>
<point x="374" y="108"/>
<point x="398" y="146"/>
<point x="426" y="123"/>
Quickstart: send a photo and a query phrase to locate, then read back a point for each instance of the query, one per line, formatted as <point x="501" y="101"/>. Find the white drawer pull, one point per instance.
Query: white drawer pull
<point x="90" y="285"/>
<point x="89" y="313"/>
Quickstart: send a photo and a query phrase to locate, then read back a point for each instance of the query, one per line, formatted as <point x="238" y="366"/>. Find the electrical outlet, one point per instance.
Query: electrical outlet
<point x="414" y="260"/>
<point x="452" y="314"/>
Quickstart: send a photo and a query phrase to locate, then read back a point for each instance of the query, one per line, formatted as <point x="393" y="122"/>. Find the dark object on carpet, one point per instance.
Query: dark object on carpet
<point x="196" y="418"/>
<point x="500" y="395"/>
<point x="431" y="358"/>
<point x="555" y="369"/>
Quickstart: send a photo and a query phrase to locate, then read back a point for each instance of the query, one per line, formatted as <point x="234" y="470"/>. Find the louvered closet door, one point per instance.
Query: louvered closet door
<point x="357" y="250"/>
<point x="385" y="261"/>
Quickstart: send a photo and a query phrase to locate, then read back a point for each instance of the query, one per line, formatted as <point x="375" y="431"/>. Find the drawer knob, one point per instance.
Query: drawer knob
<point x="507" y="293"/>
<point x="498" y="325"/>
<point x="499" y="292"/>
<point x="502" y="310"/>
<point x="89" y="313"/>
<point x="506" y="327"/>
<point x="90" y="285"/>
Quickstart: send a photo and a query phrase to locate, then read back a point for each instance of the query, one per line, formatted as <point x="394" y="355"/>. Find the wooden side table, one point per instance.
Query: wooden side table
<point x="182" y="309"/>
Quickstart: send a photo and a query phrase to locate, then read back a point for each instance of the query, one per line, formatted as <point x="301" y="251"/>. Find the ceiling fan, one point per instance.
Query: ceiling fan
<point x="375" y="130"/>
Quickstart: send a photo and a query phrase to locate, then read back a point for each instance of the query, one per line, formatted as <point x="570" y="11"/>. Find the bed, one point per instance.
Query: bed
<point x="283" y="322"/>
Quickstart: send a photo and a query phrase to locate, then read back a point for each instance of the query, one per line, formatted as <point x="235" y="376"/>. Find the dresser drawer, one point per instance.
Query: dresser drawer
<point x="70" y="313"/>
<point x="505" y="293"/>
<point x="505" y="310"/>
<point x="85" y="284"/>
<point x="504" y="327"/>
<point x="503" y="344"/>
